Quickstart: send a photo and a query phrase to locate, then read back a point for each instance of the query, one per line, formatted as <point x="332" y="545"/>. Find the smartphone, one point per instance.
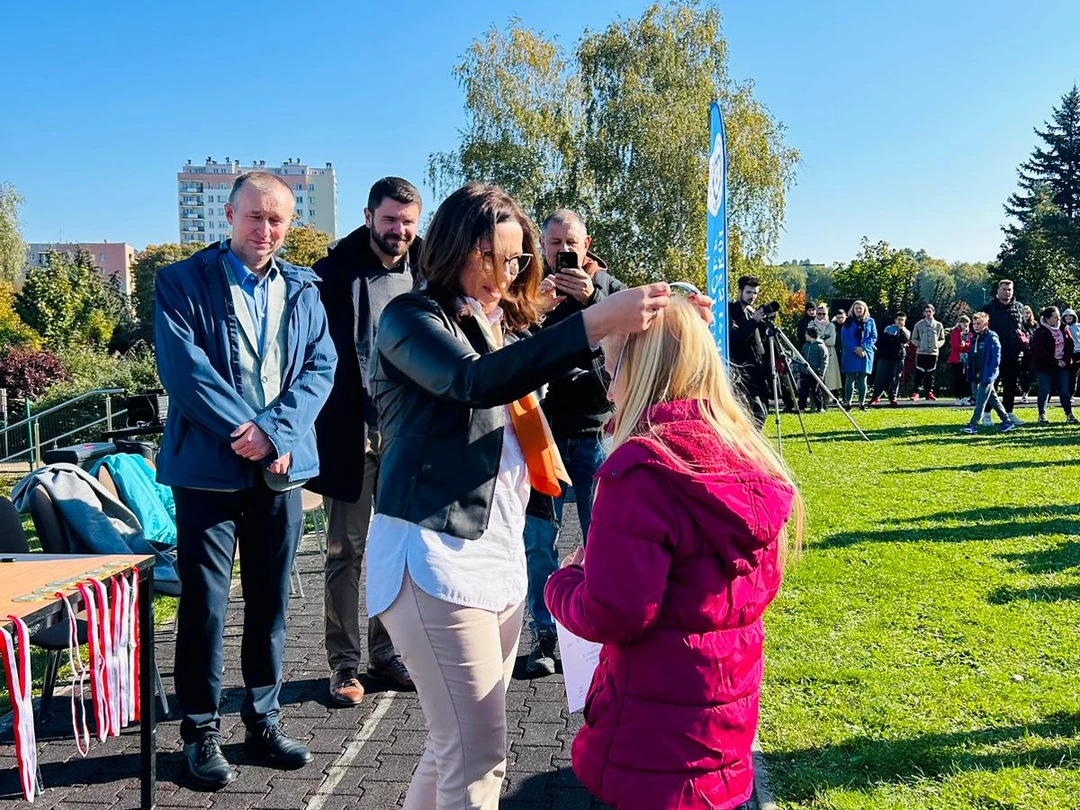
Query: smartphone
<point x="565" y="259"/>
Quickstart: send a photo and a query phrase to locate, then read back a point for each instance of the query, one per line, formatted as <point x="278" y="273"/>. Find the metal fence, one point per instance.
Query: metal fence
<point x="78" y="420"/>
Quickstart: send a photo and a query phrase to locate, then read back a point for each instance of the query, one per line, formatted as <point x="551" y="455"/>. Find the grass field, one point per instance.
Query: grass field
<point x="925" y="649"/>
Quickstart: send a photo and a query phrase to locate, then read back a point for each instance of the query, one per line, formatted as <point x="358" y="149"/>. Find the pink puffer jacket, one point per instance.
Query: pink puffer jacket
<point x="681" y="562"/>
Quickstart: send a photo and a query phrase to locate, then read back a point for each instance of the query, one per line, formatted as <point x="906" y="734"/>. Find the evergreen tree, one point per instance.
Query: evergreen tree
<point x="1055" y="166"/>
<point x="1042" y="248"/>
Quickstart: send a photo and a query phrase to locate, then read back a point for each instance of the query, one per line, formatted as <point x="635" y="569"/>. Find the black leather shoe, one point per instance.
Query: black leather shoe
<point x="280" y="750"/>
<point x="205" y="765"/>
<point x="394" y="672"/>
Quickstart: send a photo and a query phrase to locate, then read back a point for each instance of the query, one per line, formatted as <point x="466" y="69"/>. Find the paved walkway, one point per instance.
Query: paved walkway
<point x="364" y="757"/>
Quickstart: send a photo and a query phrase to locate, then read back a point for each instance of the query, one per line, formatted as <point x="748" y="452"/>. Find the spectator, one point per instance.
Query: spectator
<point x="363" y="273"/>
<point x="833" y="379"/>
<point x="746" y="336"/>
<point x="984" y="367"/>
<point x="1006" y="321"/>
<point x="959" y="343"/>
<point x="928" y="337"/>
<point x="860" y="337"/>
<point x="1027" y="372"/>
<point x="817" y="360"/>
<point x="577" y="407"/>
<point x="805" y="321"/>
<point x="1052" y="350"/>
<point x="892" y="346"/>
<point x="685" y="554"/>
<point x="1068" y="317"/>
<point x="827" y="331"/>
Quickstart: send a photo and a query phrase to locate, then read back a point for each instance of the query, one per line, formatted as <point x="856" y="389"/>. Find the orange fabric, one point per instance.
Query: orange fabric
<point x="542" y="457"/>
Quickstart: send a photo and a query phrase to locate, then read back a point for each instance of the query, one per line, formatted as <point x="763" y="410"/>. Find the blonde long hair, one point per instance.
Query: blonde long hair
<point x="677" y="359"/>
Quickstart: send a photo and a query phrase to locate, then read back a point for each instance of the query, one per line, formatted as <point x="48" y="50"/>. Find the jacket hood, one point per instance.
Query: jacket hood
<point x="599" y="262"/>
<point x="739" y="507"/>
<point x="354" y="251"/>
<point x="1067" y="312"/>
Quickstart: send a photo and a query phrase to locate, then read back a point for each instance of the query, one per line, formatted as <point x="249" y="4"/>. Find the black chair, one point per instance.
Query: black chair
<point x="54" y="539"/>
<point x="53" y="639"/>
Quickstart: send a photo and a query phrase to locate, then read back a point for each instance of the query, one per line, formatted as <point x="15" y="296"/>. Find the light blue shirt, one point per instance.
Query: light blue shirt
<point x="255" y="291"/>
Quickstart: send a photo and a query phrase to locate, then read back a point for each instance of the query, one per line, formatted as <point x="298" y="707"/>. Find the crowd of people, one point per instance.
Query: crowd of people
<point x="445" y="394"/>
<point x="1002" y="346"/>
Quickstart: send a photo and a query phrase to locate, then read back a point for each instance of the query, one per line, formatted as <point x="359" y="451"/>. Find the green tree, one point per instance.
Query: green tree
<point x="1055" y="166"/>
<point x="68" y="302"/>
<point x="619" y="130"/>
<point x="1041" y="252"/>
<point x="12" y="247"/>
<point x="972" y="282"/>
<point x="148" y="262"/>
<point x="13" y="331"/>
<point x="819" y="282"/>
<point x="882" y="276"/>
<point x="304" y="245"/>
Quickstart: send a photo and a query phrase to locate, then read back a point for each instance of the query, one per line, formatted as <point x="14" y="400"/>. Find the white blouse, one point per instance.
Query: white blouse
<point x="487" y="573"/>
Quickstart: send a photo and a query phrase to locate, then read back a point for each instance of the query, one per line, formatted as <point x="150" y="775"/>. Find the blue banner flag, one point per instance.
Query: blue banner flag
<point x="716" y="247"/>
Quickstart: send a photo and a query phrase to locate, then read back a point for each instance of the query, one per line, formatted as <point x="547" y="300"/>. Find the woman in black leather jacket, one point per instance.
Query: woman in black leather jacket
<point x="446" y="558"/>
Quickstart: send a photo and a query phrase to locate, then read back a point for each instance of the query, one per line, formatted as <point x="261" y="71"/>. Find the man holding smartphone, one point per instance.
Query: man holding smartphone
<point x="577" y="408"/>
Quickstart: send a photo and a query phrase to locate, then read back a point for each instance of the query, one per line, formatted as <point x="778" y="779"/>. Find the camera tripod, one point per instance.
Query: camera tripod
<point x="779" y="344"/>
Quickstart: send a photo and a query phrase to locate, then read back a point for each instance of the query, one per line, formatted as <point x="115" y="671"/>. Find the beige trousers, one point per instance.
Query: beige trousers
<point x="461" y="660"/>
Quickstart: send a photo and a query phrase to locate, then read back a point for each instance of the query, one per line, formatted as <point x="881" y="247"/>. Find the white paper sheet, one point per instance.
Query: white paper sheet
<point x="579" y="660"/>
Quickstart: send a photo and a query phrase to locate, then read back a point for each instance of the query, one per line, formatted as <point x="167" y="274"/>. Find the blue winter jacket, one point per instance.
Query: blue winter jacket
<point x="198" y="357"/>
<point x="991" y="358"/>
<point x="851" y="363"/>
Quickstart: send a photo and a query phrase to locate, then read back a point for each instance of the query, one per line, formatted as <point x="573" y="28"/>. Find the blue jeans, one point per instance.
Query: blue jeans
<point x="986" y="399"/>
<point x="582" y="458"/>
<point x="1056" y="382"/>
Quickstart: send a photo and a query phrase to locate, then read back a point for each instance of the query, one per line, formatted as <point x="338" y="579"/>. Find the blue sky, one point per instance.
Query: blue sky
<point x="911" y="117"/>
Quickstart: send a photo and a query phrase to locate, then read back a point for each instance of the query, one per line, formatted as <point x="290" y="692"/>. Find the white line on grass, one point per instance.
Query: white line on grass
<point x="335" y="773"/>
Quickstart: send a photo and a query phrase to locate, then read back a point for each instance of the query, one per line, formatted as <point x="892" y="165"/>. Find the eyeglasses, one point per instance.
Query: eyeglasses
<point x="513" y="264"/>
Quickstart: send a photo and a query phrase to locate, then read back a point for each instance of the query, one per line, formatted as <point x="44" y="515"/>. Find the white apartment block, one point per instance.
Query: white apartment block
<point x="202" y="192"/>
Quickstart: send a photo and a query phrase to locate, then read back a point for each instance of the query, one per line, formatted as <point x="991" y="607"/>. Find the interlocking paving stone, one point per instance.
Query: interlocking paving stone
<point x="374" y="776"/>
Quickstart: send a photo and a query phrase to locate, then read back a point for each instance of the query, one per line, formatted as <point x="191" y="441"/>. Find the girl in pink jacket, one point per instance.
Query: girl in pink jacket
<point x="685" y="552"/>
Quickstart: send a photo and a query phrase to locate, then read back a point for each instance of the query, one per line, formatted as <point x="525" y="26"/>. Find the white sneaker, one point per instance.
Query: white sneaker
<point x="960" y="401"/>
<point x="987" y="420"/>
<point x="1024" y="399"/>
<point x="1014" y="420"/>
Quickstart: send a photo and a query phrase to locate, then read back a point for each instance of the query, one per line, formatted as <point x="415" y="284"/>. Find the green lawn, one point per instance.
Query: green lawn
<point x="925" y="649"/>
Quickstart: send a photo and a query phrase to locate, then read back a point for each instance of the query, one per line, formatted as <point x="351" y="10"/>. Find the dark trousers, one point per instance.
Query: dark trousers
<point x="887" y="377"/>
<point x="1010" y="370"/>
<point x="209" y="526"/>
<point x="1055" y="382"/>
<point x="809" y="392"/>
<point x="749" y="383"/>
<point x="961" y="386"/>
<point x="346" y="541"/>
<point x="1073" y="370"/>
<point x="925" y="371"/>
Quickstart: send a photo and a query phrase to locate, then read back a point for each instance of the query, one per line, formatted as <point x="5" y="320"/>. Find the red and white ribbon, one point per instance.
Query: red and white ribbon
<point x="98" y="675"/>
<point x="78" y="681"/>
<point x="17" y="668"/>
<point x="113" y="633"/>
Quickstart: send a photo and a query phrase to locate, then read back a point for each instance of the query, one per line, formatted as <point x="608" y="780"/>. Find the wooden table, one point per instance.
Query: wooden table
<point x="27" y="585"/>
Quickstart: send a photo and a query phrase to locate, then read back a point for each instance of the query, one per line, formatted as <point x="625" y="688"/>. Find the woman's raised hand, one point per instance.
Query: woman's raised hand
<point x="625" y="312"/>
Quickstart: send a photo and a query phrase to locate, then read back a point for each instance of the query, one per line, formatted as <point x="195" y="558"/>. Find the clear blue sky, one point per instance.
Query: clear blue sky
<point x="911" y="117"/>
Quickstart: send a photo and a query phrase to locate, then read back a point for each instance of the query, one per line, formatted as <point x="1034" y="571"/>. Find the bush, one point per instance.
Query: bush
<point x="89" y="368"/>
<point x="27" y="374"/>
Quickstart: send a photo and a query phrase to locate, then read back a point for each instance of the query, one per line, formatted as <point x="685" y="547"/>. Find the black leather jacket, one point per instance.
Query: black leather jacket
<point x="440" y="393"/>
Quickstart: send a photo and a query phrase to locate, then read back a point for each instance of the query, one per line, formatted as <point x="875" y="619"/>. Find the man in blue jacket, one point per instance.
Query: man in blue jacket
<point x="244" y="353"/>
